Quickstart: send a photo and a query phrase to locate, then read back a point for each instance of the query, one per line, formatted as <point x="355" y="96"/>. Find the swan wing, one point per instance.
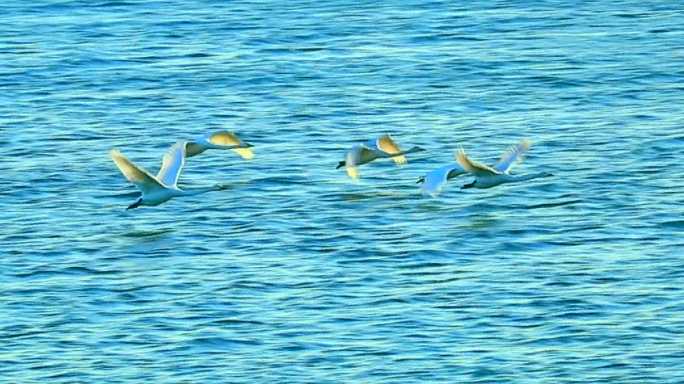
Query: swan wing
<point x="366" y="155"/>
<point x="136" y="175"/>
<point x="193" y="148"/>
<point x="512" y="156"/>
<point x="436" y="179"/>
<point x="360" y="154"/>
<point x="455" y="170"/>
<point x="387" y="145"/>
<point x="476" y="168"/>
<point x="353" y="159"/>
<point x="172" y="164"/>
<point x="353" y="172"/>
<point x="229" y="139"/>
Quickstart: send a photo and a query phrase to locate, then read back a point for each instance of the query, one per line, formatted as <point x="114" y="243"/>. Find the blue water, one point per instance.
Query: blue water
<point x="298" y="275"/>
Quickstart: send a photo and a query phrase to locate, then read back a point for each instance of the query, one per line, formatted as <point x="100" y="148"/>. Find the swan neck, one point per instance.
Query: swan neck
<point x="402" y="153"/>
<point x="530" y="176"/>
<point x="199" y="191"/>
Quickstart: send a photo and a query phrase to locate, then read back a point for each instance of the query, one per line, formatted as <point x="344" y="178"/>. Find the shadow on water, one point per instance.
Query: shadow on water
<point x="359" y="196"/>
<point x="482" y="221"/>
<point x="673" y="224"/>
<point x="550" y="205"/>
<point x="150" y="234"/>
<point x="153" y="242"/>
<point x="376" y="195"/>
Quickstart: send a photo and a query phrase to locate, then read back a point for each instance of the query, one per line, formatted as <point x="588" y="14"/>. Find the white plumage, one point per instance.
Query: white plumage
<point x="158" y="189"/>
<point x="487" y="177"/>
<point x="382" y="147"/>
<point x="434" y="181"/>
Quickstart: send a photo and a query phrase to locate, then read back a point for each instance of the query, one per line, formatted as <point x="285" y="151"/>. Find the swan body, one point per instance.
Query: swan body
<point x="487" y="177"/>
<point x="161" y="188"/>
<point x="382" y="147"/>
<point x="219" y="140"/>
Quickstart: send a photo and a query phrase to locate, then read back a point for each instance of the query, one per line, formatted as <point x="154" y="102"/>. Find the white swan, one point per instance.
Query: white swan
<point x="434" y="181"/>
<point x="487" y="177"/>
<point x="219" y="140"/>
<point x="156" y="190"/>
<point x="382" y="147"/>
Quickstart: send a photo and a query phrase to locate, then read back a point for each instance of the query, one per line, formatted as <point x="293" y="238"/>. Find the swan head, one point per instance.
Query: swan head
<point x="420" y="180"/>
<point x="136" y="204"/>
<point x="341" y="164"/>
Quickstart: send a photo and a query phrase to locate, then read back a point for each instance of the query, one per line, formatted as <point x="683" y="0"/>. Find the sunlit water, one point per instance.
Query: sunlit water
<point x="298" y="275"/>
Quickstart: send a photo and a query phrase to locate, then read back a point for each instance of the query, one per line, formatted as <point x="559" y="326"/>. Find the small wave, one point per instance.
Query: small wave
<point x="551" y="205"/>
<point x="74" y="270"/>
<point x="676" y="224"/>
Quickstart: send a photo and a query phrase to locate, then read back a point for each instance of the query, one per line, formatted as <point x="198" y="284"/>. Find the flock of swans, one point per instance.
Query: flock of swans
<point x="163" y="187"/>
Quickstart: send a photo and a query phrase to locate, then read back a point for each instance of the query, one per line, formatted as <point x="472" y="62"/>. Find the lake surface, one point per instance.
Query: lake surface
<point x="296" y="274"/>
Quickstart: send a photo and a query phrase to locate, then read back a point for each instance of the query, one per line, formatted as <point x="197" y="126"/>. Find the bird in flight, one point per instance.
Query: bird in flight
<point x="382" y="147"/>
<point x="487" y="177"/>
<point x="163" y="187"/>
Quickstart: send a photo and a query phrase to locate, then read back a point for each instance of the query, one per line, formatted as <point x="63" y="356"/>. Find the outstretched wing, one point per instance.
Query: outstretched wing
<point x="476" y="168"/>
<point x="193" y="148"/>
<point x="172" y="164"/>
<point x="360" y="154"/>
<point x="512" y="156"/>
<point x="387" y="145"/>
<point x="229" y="139"/>
<point x="435" y="180"/>
<point x="136" y="175"/>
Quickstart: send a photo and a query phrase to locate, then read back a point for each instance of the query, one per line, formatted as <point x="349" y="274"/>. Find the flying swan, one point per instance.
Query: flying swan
<point x="487" y="177"/>
<point x="382" y="147"/>
<point x="158" y="189"/>
<point x="434" y="181"/>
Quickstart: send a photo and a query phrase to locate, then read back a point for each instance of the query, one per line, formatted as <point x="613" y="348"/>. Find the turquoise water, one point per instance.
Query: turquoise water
<point x="298" y="275"/>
